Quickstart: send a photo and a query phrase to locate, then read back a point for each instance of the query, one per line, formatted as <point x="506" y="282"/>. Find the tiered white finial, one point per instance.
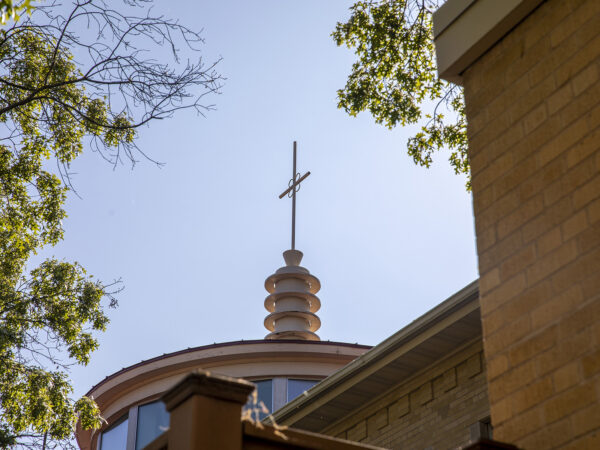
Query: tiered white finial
<point x="292" y="301"/>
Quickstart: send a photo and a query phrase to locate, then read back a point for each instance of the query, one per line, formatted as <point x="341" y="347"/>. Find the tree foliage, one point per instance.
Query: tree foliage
<point x="11" y="10"/>
<point x="69" y="80"/>
<point x="395" y="75"/>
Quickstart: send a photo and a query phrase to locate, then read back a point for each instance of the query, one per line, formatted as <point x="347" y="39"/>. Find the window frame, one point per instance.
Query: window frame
<point x="257" y="380"/>
<point x="132" y="416"/>
<point x="134" y="433"/>
<point x="115" y="424"/>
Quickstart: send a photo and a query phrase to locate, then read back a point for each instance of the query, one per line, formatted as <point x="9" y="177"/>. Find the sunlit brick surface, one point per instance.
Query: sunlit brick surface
<point x="434" y="409"/>
<point x="533" y="107"/>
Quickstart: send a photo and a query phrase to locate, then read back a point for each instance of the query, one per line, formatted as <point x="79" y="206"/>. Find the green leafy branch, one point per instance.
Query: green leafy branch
<point x="395" y="74"/>
<point x="52" y="107"/>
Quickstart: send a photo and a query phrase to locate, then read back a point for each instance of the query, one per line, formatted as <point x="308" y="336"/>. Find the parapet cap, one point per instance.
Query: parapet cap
<point x="465" y="29"/>
<point x="202" y="382"/>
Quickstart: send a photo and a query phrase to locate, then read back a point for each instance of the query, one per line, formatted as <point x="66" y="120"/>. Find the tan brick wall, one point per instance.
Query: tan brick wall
<point x="533" y="107"/>
<point x="432" y="410"/>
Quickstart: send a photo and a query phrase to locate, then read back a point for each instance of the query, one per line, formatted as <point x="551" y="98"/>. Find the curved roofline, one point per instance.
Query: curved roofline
<point x="222" y="344"/>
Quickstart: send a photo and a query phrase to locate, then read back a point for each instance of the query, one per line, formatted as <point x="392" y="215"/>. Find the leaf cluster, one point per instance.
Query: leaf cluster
<point x="69" y="80"/>
<point x="12" y="10"/>
<point x="395" y="75"/>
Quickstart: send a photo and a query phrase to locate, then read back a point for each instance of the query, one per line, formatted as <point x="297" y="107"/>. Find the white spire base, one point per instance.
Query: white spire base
<point x="292" y="301"/>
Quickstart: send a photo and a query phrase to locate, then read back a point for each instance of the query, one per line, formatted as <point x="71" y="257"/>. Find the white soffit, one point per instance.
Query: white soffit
<point x="465" y="29"/>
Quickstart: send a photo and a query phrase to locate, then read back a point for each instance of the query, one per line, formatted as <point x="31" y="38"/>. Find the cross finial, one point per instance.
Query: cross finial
<point x="294" y="186"/>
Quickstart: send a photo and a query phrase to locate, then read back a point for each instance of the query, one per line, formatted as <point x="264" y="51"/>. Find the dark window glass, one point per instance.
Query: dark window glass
<point x="264" y="390"/>
<point x="265" y="393"/>
<point x="153" y="420"/>
<point x="297" y="387"/>
<point x="115" y="438"/>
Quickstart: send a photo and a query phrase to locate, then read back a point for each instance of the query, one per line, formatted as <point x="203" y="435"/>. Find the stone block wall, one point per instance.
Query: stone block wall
<point x="432" y="410"/>
<point x="533" y="108"/>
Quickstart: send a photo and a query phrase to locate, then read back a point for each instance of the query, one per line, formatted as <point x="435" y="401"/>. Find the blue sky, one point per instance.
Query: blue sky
<point x="193" y="241"/>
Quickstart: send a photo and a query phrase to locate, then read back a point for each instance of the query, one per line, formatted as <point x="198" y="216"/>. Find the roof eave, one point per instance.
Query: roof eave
<point x="463" y="302"/>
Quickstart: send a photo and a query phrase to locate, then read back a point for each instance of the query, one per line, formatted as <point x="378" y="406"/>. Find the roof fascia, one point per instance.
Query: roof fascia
<point x="428" y="325"/>
<point x="465" y="29"/>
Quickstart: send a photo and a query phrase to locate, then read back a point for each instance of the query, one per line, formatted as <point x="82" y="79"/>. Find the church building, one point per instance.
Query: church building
<point x="430" y="372"/>
<point x="290" y="360"/>
<point x="514" y="356"/>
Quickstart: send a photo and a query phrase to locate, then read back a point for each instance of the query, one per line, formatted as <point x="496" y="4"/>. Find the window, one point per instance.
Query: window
<point x="264" y="393"/>
<point x="115" y="437"/>
<point x="152" y="421"/>
<point x="297" y="387"/>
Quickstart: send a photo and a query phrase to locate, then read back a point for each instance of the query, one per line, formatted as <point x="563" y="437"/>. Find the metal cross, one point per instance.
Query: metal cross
<point x="294" y="186"/>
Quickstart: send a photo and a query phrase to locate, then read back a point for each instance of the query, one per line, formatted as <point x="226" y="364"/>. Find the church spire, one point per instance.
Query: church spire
<point x="292" y="301"/>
